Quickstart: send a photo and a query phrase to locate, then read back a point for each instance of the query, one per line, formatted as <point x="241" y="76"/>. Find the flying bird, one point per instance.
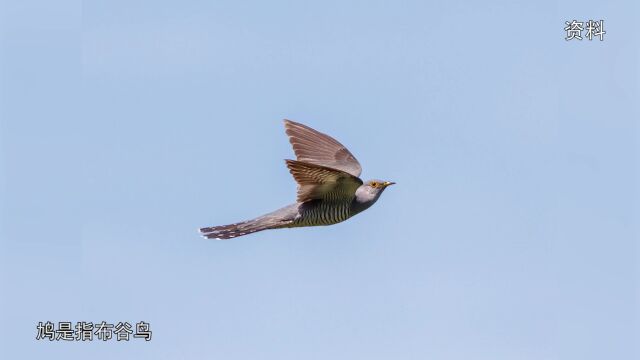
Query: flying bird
<point x="329" y="188"/>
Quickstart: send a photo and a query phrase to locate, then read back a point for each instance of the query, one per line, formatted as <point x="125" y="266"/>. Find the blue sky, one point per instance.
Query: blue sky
<point x="512" y="232"/>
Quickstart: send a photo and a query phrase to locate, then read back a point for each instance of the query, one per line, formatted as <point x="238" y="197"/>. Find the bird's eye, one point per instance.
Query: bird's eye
<point x="374" y="184"/>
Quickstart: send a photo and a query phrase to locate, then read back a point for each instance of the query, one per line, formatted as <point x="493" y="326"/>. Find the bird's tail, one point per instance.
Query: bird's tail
<point x="277" y="219"/>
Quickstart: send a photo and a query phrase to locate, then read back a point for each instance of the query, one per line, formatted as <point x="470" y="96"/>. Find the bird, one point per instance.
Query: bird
<point x="329" y="190"/>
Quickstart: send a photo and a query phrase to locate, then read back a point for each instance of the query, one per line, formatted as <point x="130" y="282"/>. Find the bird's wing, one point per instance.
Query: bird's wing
<point x="317" y="148"/>
<point x="321" y="182"/>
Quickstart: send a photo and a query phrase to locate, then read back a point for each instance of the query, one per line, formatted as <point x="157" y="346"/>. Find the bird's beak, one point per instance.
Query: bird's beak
<point x="387" y="183"/>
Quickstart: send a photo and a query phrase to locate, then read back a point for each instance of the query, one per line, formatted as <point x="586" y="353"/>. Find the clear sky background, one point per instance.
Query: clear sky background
<point x="512" y="232"/>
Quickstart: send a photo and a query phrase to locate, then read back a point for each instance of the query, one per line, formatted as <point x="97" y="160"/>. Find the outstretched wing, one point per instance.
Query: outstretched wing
<point x="321" y="182"/>
<point x="317" y="148"/>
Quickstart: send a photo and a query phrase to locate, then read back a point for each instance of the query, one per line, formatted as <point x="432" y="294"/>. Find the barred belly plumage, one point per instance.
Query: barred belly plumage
<point x="323" y="212"/>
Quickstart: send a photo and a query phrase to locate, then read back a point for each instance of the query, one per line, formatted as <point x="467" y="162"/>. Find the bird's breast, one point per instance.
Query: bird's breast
<point x="323" y="212"/>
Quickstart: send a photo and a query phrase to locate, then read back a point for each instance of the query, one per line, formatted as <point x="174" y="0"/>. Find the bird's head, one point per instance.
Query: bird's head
<point x="369" y="192"/>
<point x="375" y="187"/>
<point x="378" y="185"/>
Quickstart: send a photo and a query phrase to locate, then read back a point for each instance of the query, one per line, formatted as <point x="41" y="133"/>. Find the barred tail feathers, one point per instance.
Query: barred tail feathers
<point x="231" y="231"/>
<point x="277" y="219"/>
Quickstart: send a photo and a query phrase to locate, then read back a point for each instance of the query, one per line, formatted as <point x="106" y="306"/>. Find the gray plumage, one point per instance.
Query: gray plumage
<point x="329" y="188"/>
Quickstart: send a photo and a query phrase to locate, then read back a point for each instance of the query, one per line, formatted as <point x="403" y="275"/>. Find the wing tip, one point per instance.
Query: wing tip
<point x="290" y="124"/>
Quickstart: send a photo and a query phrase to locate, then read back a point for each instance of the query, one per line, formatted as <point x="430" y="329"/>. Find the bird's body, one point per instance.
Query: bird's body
<point x="329" y="189"/>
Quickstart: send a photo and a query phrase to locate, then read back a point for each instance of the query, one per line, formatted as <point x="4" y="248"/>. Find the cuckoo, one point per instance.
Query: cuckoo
<point x="329" y="188"/>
